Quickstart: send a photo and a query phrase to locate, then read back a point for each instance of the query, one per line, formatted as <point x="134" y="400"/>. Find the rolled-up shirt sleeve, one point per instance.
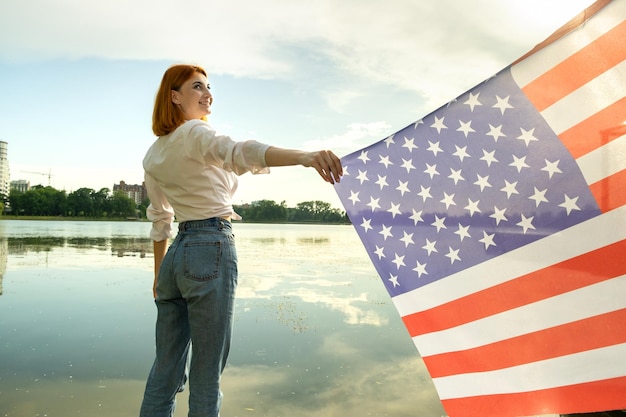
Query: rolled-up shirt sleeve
<point x="159" y="212"/>
<point x="222" y="151"/>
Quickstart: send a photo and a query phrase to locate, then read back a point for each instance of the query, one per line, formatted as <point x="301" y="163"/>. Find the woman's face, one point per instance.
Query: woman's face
<point x="194" y="97"/>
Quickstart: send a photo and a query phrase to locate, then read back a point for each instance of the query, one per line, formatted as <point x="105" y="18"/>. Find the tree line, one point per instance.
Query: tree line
<point x="86" y="202"/>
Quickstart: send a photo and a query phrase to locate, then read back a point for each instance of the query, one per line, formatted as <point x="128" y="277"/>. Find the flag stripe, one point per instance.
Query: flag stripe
<point x="592" y="132"/>
<point x="583" y="270"/>
<point x="604" y="161"/>
<point x="579" y="68"/>
<point x="541" y="61"/>
<point x="597" y="299"/>
<point x="586" y="100"/>
<point x="593" y="396"/>
<point x="610" y="193"/>
<point x="578" y="368"/>
<point x="541" y="254"/>
<point x="596" y="332"/>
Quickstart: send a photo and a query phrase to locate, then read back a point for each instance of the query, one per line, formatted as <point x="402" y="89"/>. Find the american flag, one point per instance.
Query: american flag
<point x="497" y="224"/>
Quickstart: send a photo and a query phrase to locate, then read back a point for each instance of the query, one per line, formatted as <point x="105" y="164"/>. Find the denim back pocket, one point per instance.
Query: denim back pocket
<point x="202" y="260"/>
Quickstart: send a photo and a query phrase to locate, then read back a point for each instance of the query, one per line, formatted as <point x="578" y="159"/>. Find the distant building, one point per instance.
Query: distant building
<point x="5" y="176"/>
<point x="20" y="185"/>
<point x="135" y="192"/>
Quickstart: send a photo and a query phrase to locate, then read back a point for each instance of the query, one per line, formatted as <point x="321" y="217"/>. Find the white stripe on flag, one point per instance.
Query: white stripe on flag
<point x="586" y="100"/>
<point x="605" y="161"/>
<point x="605" y="20"/>
<point x="588" y="366"/>
<point x="597" y="232"/>
<point x="597" y="299"/>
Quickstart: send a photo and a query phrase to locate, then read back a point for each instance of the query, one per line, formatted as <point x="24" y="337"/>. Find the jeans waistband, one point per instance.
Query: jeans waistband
<point x="211" y="222"/>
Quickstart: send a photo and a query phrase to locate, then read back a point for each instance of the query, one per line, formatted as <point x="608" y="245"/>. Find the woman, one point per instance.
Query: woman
<point x="191" y="175"/>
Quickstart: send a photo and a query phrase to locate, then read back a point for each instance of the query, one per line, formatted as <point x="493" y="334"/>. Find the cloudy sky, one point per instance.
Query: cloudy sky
<point x="78" y="78"/>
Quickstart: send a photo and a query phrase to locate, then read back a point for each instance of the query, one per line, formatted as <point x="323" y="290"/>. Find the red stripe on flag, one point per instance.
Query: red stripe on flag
<point x="597" y="130"/>
<point x="593" y="396"/>
<point x="578" y="69"/>
<point x="589" y="268"/>
<point x="610" y="193"/>
<point x="592" y="333"/>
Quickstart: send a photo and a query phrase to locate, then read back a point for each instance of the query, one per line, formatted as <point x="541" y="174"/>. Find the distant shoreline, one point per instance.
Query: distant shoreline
<point x="135" y="219"/>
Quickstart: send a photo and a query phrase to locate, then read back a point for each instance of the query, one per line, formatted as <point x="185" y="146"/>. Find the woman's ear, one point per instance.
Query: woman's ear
<point x="175" y="98"/>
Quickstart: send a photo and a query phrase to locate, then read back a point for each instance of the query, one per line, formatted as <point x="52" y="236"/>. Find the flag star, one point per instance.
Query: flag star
<point x="510" y="188"/>
<point x="527" y="136"/>
<point x="569" y="204"/>
<point x="465" y="127"/>
<point x="519" y="163"/>
<point x="456" y="176"/>
<point x="382" y="182"/>
<point x="482" y="182"/>
<point x="448" y="200"/>
<point x="385" y="161"/>
<point x="425" y="193"/>
<point x="362" y="176"/>
<point x="408" y="165"/>
<point x="461" y="152"/>
<point x="526" y="223"/>
<point x="354" y="197"/>
<point x="487" y="240"/>
<point x="366" y="224"/>
<point x="472" y="206"/>
<point x="453" y="255"/>
<point x="394" y="210"/>
<point x="438" y="124"/>
<point x="407" y="239"/>
<point x="431" y="170"/>
<point x="420" y="269"/>
<point x="373" y="204"/>
<point x="502" y="104"/>
<point x="472" y="101"/>
<point x="419" y="122"/>
<point x="408" y="143"/>
<point x="489" y="157"/>
<point x="399" y="261"/>
<point x="345" y="170"/>
<point x="416" y="217"/>
<point x="463" y="232"/>
<point x="498" y="215"/>
<point x="434" y="148"/>
<point x="403" y="187"/>
<point x="552" y="168"/>
<point x="430" y="247"/>
<point x="386" y="232"/>
<point x="389" y="141"/>
<point x="496" y="132"/>
<point x="539" y="197"/>
<point x="380" y="252"/>
<point x="439" y="223"/>
<point x="363" y="157"/>
<point x="394" y="280"/>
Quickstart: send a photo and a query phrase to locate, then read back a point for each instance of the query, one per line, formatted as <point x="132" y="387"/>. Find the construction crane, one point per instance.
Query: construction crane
<point x="48" y="174"/>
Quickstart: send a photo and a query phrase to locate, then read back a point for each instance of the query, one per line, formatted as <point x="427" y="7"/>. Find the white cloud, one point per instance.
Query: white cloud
<point x="429" y="47"/>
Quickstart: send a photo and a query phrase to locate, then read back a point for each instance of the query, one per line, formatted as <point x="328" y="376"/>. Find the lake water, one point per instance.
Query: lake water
<point x="315" y="331"/>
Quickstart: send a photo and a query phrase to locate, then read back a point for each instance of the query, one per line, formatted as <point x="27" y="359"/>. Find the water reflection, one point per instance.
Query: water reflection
<point x="120" y="246"/>
<point x="315" y="331"/>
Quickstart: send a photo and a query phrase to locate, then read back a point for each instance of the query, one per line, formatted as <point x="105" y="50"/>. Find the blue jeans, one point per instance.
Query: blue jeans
<point x="195" y="302"/>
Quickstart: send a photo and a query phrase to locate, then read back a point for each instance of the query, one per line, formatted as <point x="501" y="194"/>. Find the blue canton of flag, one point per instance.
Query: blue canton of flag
<point x="476" y="178"/>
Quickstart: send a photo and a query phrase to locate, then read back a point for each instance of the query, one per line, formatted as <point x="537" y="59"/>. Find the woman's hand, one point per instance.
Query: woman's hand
<point x="327" y="164"/>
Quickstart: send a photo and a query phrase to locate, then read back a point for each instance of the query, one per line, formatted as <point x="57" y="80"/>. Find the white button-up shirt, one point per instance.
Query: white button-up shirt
<point x="191" y="174"/>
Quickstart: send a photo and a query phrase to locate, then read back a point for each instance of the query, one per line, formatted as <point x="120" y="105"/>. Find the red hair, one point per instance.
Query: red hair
<point x="166" y="117"/>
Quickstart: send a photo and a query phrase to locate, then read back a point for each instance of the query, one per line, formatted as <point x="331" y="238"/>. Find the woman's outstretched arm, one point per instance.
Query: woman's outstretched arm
<point x="325" y="162"/>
